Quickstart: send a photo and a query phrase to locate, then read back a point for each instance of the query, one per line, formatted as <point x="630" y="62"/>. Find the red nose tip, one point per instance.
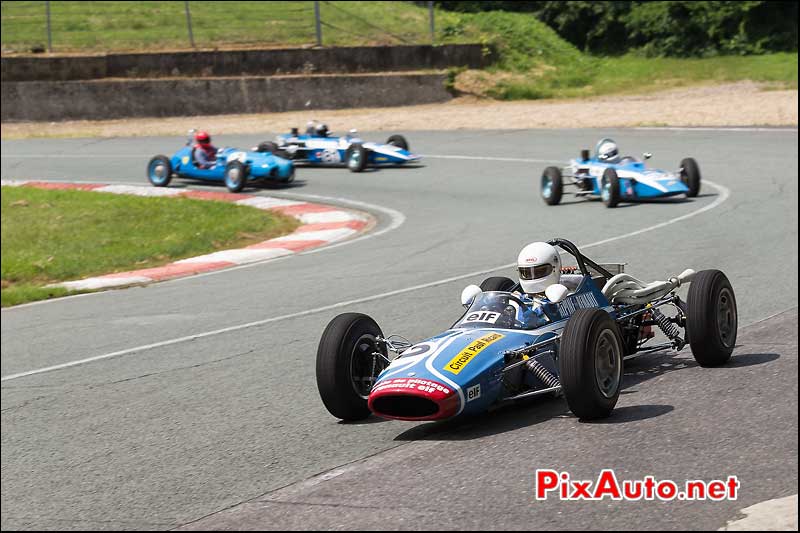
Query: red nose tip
<point x="413" y="399"/>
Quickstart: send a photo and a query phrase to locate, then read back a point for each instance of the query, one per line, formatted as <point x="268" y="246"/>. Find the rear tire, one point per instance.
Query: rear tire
<point x="552" y="185"/>
<point x="497" y="283"/>
<point x="609" y="188"/>
<point x="399" y="141"/>
<point x="344" y="350"/>
<point x="690" y="176"/>
<point x="235" y="176"/>
<point x="356" y="158"/>
<point x="267" y="146"/>
<point x="159" y="171"/>
<point x="712" y="318"/>
<point x="590" y="363"/>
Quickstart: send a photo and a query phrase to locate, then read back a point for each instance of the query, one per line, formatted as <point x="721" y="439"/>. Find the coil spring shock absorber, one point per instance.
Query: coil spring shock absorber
<point x="668" y="327"/>
<point x="542" y="373"/>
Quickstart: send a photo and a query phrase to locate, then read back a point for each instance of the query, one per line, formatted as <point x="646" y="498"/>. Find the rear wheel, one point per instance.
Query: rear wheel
<point x="159" y="171"/>
<point x="690" y="176"/>
<point x="590" y="363"/>
<point x="609" y="188"/>
<point x="348" y="362"/>
<point x="497" y="283"/>
<point x="399" y="141"/>
<point x="356" y="158"/>
<point x="235" y="176"/>
<point x="712" y="318"/>
<point x="552" y="186"/>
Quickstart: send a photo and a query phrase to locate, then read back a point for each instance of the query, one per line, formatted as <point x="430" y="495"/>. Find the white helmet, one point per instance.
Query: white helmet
<point x="539" y="266"/>
<point x="607" y="150"/>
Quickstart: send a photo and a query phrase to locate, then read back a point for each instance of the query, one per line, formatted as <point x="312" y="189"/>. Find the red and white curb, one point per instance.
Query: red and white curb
<point x="321" y="225"/>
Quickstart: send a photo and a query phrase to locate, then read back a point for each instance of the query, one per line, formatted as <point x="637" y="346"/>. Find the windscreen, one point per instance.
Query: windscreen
<point x="504" y="310"/>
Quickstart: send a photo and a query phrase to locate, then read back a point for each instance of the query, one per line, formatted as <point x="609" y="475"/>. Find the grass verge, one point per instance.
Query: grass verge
<point x="62" y="235"/>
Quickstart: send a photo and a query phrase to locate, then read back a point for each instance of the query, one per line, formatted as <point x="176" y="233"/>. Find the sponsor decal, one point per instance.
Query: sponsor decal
<point x="578" y="301"/>
<point x="466" y="355"/>
<point x="474" y="392"/>
<point x="185" y="160"/>
<point x="381" y="159"/>
<point x="421" y="385"/>
<point x="482" y="316"/>
<point x="531" y="260"/>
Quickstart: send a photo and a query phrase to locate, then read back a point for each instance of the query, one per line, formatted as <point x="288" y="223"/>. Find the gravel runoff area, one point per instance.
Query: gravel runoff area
<point x="734" y="104"/>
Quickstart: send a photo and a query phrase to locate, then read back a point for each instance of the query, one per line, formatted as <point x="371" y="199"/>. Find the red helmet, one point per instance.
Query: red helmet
<point x="202" y="137"/>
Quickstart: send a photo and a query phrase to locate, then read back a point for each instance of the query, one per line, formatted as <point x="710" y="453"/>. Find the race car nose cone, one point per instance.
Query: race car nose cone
<point x="413" y="399"/>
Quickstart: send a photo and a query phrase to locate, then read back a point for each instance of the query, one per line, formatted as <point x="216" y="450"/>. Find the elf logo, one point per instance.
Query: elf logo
<point x="474" y="392"/>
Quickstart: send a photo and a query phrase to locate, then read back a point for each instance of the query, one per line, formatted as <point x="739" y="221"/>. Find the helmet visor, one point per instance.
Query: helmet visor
<point x="535" y="272"/>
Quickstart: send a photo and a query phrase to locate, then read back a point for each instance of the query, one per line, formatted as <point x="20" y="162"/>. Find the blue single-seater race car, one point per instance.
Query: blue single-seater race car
<point x="316" y="147"/>
<point x="234" y="167"/>
<point x="573" y="344"/>
<point x="616" y="179"/>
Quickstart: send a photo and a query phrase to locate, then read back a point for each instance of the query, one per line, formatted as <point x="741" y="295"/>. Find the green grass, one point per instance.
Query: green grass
<point x="62" y="235"/>
<point x="532" y="61"/>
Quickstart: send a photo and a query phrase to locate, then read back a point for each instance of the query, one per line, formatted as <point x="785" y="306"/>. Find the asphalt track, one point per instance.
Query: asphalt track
<point x="181" y="433"/>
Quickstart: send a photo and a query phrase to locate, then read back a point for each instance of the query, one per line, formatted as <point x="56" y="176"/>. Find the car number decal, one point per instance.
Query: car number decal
<point x="466" y="355"/>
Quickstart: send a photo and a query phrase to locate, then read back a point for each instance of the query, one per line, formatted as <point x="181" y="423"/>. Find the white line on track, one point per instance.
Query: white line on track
<point x="489" y="158"/>
<point x="724" y="194"/>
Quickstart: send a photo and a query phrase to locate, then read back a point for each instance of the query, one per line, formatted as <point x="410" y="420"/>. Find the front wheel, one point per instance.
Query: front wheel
<point x="712" y="318"/>
<point x="399" y="141"/>
<point x="609" y="188"/>
<point x="235" y="176"/>
<point x="356" y="158"/>
<point x="552" y="186"/>
<point x="349" y="359"/>
<point x="159" y="171"/>
<point x="590" y="363"/>
<point x="690" y="176"/>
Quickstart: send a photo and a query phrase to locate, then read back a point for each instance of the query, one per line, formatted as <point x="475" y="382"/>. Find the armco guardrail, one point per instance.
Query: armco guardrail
<point x="245" y="62"/>
<point x="115" y="98"/>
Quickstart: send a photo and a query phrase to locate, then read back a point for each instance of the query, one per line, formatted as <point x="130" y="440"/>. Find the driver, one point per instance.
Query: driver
<point x="607" y="151"/>
<point x="539" y="266"/>
<point x="203" y="152"/>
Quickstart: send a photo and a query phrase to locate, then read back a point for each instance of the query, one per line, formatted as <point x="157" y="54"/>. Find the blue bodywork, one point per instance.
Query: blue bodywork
<point x="635" y="179"/>
<point x="462" y="369"/>
<point x="259" y="165"/>
<point x="316" y="150"/>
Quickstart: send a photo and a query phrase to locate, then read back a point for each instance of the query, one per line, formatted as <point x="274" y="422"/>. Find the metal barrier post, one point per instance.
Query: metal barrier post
<point x="318" y="23"/>
<point x="433" y="28"/>
<point x="49" y="32"/>
<point x="189" y="22"/>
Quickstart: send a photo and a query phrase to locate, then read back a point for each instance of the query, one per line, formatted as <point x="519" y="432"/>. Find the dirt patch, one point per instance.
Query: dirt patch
<point x="734" y="104"/>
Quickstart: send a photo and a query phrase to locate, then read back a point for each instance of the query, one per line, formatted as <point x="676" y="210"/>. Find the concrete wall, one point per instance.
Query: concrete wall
<point x="244" y="62"/>
<point x="109" y="99"/>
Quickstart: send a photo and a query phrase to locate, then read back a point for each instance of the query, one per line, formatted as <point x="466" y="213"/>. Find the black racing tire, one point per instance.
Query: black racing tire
<point x="399" y="141"/>
<point x="610" y="192"/>
<point x="497" y="283"/>
<point x="159" y="171"/>
<point x="712" y="318"/>
<point x="552" y="186"/>
<point x="346" y="346"/>
<point x="267" y="146"/>
<point x="591" y="389"/>
<point x="235" y="176"/>
<point x="690" y="176"/>
<point x="356" y="158"/>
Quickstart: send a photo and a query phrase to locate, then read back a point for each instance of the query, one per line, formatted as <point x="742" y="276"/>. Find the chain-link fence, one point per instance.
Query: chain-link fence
<point x="65" y="26"/>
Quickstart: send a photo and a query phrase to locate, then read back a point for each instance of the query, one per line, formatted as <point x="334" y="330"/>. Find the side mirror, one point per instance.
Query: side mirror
<point x="353" y="132"/>
<point x="556" y="292"/>
<point x="647" y="155"/>
<point x="469" y="293"/>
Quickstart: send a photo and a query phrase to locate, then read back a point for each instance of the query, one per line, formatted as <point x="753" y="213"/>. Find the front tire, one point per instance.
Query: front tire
<point x="235" y="176"/>
<point x="159" y="171"/>
<point x="609" y="188"/>
<point x="497" y="283"/>
<point x="690" y="176"/>
<point x="399" y="141"/>
<point x="346" y="366"/>
<point x="590" y="363"/>
<point x="552" y="186"/>
<point x="712" y="318"/>
<point x="356" y="158"/>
